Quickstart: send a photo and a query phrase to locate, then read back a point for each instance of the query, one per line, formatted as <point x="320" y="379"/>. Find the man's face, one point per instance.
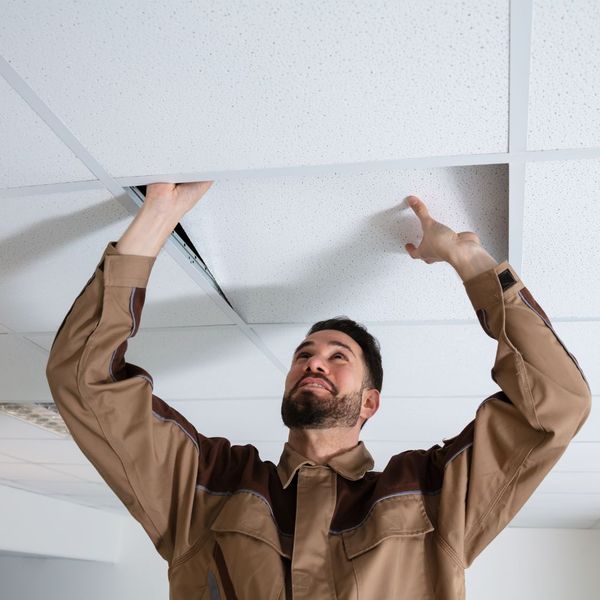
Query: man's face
<point x="331" y="359"/>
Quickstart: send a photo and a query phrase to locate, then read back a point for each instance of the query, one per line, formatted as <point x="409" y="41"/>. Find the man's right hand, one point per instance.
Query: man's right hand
<point x="175" y="198"/>
<point x="162" y="209"/>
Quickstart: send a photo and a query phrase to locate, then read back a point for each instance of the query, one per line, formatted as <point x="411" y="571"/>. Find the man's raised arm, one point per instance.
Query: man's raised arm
<point x="145" y="450"/>
<point x="495" y="464"/>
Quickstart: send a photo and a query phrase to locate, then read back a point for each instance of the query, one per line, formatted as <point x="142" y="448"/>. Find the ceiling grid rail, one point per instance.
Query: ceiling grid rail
<point x="173" y="247"/>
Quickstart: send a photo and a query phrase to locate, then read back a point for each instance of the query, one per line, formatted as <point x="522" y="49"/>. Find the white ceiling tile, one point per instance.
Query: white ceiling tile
<point x="5" y="458"/>
<point x="256" y="418"/>
<point x="60" y="238"/>
<point x="564" y="88"/>
<point x="580" y="506"/>
<point x="32" y="473"/>
<point x="70" y="487"/>
<point x="31" y="154"/>
<point x="561" y="246"/>
<point x="261" y="86"/>
<point x="529" y="519"/>
<point x="44" y="451"/>
<point x="11" y="427"/>
<point x="22" y="371"/>
<point x="418" y="360"/>
<point x="580" y="456"/>
<point x="201" y="362"/>
<point x="294" y="249"/>
<point x="571" y="483"/>
<point x="86" y="472"/>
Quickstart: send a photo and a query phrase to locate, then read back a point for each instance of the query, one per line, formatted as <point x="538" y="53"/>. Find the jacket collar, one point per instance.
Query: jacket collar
<point x="352" y="464"/>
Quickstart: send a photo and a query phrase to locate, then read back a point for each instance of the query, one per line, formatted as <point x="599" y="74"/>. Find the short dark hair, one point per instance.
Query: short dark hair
<point x="369" y="345"/>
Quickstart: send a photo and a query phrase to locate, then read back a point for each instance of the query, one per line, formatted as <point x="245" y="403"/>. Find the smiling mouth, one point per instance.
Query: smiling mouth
<point x="314" y="385"/>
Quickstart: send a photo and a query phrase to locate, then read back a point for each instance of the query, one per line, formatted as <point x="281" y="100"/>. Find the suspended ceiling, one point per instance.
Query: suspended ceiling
<point x="315" y="120"/>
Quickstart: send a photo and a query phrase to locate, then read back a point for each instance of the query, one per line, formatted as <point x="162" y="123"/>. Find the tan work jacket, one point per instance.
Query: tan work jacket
<point x="233" y="526"/>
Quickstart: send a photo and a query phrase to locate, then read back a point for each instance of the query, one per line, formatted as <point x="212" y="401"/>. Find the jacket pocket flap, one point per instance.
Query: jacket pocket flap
<point x="402" y="515"/>
<point x="250" y="514"/>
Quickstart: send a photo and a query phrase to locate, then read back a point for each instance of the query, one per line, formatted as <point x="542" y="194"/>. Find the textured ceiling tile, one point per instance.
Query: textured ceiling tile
<point x="30" y="153"/>
<point x="564" y="87"/>
<point x="561" y="245"/>
<point x="298" y="249"/>
<point x="50" y="246"/>
<point x="264" y="84"/>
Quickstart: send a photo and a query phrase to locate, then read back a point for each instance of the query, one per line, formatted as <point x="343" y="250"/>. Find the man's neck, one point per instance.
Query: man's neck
<point x="322" y="444"/>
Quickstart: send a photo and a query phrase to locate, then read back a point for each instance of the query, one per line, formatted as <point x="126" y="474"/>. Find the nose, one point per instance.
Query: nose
<point x="315" y="363"/>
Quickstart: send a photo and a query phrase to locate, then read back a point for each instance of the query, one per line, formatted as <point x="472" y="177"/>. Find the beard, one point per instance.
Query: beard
<point x="304" y="409"/>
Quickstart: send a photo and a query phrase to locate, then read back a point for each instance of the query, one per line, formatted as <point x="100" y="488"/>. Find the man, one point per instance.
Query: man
<point x="321" y="524"/>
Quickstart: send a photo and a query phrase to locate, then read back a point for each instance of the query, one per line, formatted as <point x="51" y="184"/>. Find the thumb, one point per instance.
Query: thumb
<point x="410" y="248"/>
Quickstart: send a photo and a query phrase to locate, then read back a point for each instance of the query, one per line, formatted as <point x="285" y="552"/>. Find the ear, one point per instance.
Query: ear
<point x="370" y="402"/>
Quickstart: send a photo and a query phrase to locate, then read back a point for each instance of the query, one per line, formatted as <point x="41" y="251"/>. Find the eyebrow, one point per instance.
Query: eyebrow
<point x="330" y="343"/>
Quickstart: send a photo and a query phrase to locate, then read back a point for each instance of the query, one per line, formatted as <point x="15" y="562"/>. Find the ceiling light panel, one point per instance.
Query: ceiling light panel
<point x="51" y="245"/>
<point x="30" y="153"/>
<point x="561" y="245"/>
<point x="564" y="88"/>
<point x="298" y="249"/>
<point x="267" y="85"/>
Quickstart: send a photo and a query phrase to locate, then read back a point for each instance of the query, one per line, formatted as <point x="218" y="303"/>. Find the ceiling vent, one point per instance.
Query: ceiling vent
<point x="44" y="415"/>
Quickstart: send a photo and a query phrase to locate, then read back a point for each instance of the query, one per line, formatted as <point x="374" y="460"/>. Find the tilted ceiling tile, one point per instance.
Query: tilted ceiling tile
<point x="298" y="249"/>
<point x="30" y="153"/>
<point x="50" y="247"/>
<point x="264" y="85"/>
<point x="564" y="87"/>
<point x="561" y="245"/>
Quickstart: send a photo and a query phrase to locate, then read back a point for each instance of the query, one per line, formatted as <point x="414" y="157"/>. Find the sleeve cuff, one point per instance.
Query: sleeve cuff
<point x="128" y="270"/>
<point x="493" y="285"/>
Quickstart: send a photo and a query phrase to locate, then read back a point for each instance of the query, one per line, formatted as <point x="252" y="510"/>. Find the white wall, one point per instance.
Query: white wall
<point x="520" y="564"/>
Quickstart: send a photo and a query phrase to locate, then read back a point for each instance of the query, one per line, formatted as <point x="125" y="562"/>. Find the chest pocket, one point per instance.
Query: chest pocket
<point x="388" y="550"/>
<point x="252" y="548"/>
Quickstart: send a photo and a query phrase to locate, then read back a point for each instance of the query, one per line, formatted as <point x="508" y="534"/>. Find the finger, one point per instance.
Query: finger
<point x="419" y="207"/>
<point x="411" y="249"/>
<point x="195" y="187"/>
